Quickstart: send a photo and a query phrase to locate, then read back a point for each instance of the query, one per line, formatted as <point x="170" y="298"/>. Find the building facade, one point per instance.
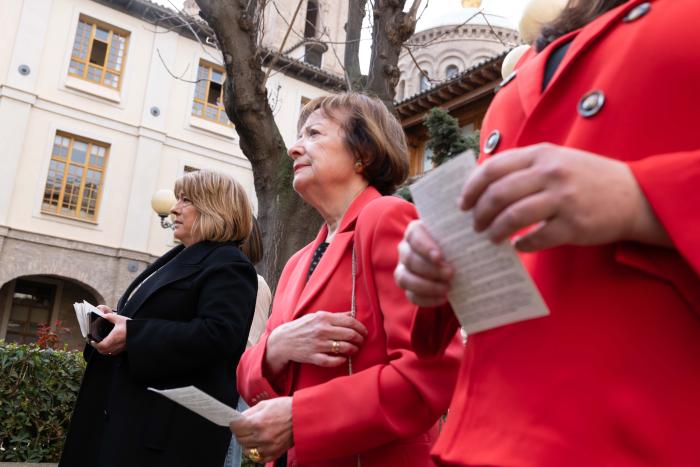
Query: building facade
<point x="450" y="63"/>
<point x="102" y="103"/>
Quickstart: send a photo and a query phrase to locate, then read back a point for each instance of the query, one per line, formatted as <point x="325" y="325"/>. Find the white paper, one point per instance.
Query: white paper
<point x="82" y="313"/>
<point x="202" y="404"/>
<point x="490" y="287"/>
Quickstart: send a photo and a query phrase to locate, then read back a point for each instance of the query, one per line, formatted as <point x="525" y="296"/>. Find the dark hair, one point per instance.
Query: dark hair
<point x="575" y="15"/>
<point x="373" y="135"/>
<point x="252" y="246"/>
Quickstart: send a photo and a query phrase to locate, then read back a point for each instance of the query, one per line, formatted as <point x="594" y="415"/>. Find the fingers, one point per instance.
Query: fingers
<point x="549" y="234"/>
<point x="419" y="290"/>
<point x="102" y="347"/>
<point x="504" y="192"/>
<point x="327" y="361"/>
<point x="347" y="321"/>
<point x="492" y="170"/>
<point x="337" y="347"/>
<point x="421" y="242"/>
<point x="423" y="266"/>
<point x="340" y="334"/>
<point x="531" y="210"/>
<point x="104" y="309"/>
<point x="114" y="318"/>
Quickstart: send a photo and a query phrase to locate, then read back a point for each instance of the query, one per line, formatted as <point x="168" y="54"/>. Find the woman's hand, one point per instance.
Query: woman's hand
<point x="267" y="427"/>
<point x="422" y="271"/>
<point x="115" y="342"/>
<point x="320" y="338"/>
<point x="572" y="196"/>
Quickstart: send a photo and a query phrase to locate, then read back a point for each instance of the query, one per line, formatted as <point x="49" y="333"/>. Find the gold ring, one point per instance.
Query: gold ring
<point x="335" y="347"/>
<point x="254" y="455"/>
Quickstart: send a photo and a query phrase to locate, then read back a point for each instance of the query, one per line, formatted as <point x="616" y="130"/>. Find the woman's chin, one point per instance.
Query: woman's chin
<point x="299" y="184"/>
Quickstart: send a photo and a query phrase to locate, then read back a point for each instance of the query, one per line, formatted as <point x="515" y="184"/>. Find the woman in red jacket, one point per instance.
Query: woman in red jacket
<point x="612" y="376"/>
<point x="333" y="387"/>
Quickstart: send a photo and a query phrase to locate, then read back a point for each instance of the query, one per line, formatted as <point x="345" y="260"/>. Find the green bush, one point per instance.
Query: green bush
<point x="38" y="389"/>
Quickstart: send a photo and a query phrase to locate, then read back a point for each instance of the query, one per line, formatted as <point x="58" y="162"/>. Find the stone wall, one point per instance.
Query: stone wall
<point x="104" y="271"/>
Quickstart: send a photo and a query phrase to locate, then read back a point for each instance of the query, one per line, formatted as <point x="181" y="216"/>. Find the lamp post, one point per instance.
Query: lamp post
<point x="162" y="202"/>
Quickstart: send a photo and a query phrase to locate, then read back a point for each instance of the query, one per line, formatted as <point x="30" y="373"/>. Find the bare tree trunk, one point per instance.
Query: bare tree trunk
<point x="392" y="27"/>
<point x="286" y="221"/>
<point x="353" y="32"/>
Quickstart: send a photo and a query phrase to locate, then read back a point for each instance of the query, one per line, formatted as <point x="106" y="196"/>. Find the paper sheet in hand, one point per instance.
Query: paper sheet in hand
<point x="82" y="314"/>
<point x="202" y="404"/>
<point x="490" y="287"/>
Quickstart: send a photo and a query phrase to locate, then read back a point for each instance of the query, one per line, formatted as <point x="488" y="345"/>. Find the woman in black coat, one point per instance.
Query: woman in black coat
<point x="183" y="321"/>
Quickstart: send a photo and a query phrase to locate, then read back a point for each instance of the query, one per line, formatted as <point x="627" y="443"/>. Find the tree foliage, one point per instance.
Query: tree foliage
<point x="445" y="138"/>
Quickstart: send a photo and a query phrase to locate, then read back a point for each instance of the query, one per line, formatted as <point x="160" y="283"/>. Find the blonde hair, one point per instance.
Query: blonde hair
<point x="373" y="135"/>
<point x="224" y="212"/>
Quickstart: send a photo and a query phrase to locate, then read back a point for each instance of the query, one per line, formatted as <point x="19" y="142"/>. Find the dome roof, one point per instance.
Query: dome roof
<point x="462" y="15"/>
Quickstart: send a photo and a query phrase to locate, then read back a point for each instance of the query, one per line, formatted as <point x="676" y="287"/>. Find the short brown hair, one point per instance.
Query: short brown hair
<point x="252" y="247"/>
<point x="373" y="135"/>
<point x="224" y="210"/>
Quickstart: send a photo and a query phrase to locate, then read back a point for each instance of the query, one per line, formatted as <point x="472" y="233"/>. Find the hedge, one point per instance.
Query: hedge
<point x="38" y="388"/>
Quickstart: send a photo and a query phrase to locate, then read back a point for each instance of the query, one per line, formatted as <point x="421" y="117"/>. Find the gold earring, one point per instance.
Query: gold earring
<point x="358" y="166"/>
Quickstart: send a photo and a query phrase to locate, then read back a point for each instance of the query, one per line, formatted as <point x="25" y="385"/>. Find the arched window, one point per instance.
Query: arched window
<point x="451" y="71"/>
<point x="424" y="82"/>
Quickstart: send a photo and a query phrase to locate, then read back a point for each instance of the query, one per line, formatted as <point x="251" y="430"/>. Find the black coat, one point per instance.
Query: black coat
<point x="189" y="325"/>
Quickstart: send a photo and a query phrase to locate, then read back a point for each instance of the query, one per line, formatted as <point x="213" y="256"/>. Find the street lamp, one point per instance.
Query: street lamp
<point x="162" y="202"/>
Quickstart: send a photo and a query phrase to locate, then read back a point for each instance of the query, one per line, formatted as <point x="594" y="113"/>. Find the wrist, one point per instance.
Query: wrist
<point x="274" y="355"/>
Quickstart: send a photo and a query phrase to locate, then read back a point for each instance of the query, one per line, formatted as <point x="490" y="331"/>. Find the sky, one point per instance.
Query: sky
<point x="510" y="9"/>
<point x="431" y="12"/>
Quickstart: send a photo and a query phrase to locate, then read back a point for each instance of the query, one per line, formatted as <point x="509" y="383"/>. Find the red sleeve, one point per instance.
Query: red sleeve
<point x="253" y="382"/>
<point x="401" y="398"/>
<point x="433" y="330"/>
<point x="670" y="183"/>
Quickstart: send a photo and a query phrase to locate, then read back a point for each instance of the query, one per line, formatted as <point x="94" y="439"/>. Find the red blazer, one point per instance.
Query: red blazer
<point x="612" y="377"/>
<point x="388" y="408"/>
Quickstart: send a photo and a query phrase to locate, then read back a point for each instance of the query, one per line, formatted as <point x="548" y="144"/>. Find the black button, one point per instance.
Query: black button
<point x="106" y="414"/>
<point x="591" y="103"/>
<point x="637" y="12"/>
<point x="492" y="142"/>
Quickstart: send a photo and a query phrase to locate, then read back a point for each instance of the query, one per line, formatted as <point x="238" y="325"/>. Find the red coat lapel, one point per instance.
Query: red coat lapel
<point x="340" y="247"/>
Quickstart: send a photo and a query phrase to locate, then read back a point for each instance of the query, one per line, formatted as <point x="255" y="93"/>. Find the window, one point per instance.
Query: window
<point x="451" y="71"/>
<point x="311" y="20"/>
<point x="75" y="179"/>
<point x="98" y="53"/>
<point x="32" y="303"/>
<point x="209" y="94"/>
<point x="424" y="82"/>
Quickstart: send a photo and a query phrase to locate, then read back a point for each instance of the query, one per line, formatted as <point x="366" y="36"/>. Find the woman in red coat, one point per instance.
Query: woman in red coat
<point x="332" y="388"/>
<point x="597" y="147"/>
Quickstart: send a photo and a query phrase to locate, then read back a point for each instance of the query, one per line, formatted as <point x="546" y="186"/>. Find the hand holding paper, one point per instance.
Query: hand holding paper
<point x="490" y="286"/>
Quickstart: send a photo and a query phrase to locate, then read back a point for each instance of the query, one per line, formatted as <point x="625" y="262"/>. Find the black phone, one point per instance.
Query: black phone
<point x="99" y="327"/>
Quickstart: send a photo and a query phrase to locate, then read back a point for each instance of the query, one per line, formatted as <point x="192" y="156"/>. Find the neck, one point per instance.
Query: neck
<point x="333" y="208"/>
